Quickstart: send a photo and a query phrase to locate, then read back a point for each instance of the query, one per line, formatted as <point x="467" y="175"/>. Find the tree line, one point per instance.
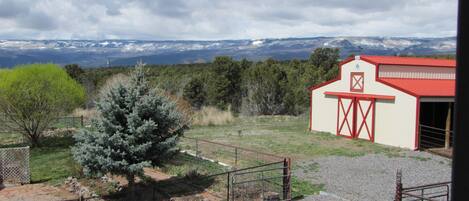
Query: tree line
<point x="268" y="87"/>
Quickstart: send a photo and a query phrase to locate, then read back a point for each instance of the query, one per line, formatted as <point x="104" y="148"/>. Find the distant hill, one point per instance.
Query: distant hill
<point x="95" y="53"/>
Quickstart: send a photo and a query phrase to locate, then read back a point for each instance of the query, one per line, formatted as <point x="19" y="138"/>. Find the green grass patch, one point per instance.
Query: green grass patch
<point x="53" y="161"/>
<point x="287" y="136"/>
<point x="183" y="164"/>
<point x="302" y="188"/>
<point x="420" y="158"/>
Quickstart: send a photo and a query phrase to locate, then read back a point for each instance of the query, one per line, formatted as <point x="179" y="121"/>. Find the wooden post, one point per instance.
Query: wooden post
<point x="228" y="181"/>
<point x="286" y="179"/>
<point x="398" y="196"/>
<point x="448" y="127"/>
<point x="236" y="158"/>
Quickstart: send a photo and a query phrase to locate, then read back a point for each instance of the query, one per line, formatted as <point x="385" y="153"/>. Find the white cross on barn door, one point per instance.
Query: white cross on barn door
<point x="357" y="81"/>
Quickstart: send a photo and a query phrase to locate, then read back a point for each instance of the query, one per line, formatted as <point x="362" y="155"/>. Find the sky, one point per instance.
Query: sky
<point x="224" y="19"/>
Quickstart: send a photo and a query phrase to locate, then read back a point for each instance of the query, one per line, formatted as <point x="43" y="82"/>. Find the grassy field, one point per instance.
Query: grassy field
<point x="281" y="135"/>
<point x="285" y="136"/>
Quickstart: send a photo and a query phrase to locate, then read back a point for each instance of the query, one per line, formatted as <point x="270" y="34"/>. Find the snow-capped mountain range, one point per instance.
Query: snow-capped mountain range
<point x="95" y="53"/>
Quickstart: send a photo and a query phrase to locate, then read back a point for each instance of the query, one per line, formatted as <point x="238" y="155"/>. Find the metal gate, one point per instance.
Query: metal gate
<point x="264" y="182"/>
<point x="355" y="117"/>
<point x="429" y="192"/>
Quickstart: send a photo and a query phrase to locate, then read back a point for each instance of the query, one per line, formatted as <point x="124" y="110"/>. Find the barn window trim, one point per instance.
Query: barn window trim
<point x="357" y="81"/>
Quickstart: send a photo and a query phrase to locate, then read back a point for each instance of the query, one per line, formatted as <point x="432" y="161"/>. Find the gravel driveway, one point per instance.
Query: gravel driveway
<point x="373" y="176"/>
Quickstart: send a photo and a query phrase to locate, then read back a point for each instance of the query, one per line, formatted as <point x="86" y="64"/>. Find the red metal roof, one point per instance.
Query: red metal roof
<point x="423" y="87"/>
<point x="409" y="61"/>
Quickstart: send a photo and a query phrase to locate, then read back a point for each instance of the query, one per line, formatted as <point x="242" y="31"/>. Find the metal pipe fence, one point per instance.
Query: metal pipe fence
<point x="432" y="137"/>
<point x="252" y="175"/>
<point x="429" y="192"/>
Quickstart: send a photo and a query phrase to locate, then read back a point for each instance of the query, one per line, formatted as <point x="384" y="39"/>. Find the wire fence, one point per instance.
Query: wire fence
<point x="225" y="154"/>
<point x="14" y="165"/>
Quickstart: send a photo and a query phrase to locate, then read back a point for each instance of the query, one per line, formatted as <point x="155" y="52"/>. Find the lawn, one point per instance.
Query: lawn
<point x="285" y="136"/>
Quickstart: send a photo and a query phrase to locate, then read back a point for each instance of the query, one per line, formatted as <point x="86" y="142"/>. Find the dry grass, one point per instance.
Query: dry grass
<point x="208" y="116"/>
<point x="113" y="82"/>
<point x="182" y="106"/>
<point x="86" y="113"/>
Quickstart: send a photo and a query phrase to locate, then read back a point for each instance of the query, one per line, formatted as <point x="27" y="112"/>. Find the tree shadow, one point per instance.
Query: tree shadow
<point x="39" y="181"/>
<point x="190" y="187"/>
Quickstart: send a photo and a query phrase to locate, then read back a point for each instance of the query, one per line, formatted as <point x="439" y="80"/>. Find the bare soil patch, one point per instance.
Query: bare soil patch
<point x="36" y="192"/>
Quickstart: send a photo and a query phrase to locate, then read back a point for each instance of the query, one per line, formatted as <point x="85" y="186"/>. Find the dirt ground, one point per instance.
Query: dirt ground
<point x="44" y="192"/>
<point x="191" y="194"/>
<point x="35" y="192"/>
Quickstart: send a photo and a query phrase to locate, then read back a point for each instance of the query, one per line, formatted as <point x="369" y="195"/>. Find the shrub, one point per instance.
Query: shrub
<point x="33" y="96"/>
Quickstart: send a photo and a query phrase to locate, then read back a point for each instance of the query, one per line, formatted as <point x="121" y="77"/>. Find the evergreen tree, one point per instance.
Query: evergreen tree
<point x="74" y="71"/>
<point x="266" y="85"/>
<point x="195" y="93"/>
<point x="226" y="83"/>
<point x="325" y="58"/>
<point x="138" y="127"/>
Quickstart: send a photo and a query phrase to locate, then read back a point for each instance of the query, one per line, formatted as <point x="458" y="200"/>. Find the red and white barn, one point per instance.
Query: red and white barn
<point x="385" y="99"/>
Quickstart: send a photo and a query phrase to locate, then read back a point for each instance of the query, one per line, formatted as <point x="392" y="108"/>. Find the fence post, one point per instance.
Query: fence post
<point x="398" y="196"/>
<point x="286" y="179"/>
<point x="228" y="187"/>
<point x="236" y="158"/>
<point x="196" y="148"/>
<point x="82" y="121"/>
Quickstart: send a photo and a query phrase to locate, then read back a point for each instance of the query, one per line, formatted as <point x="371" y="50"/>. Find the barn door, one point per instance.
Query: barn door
<point x="365" y="112"/>
<point x="355" y="118"/>
<point x="345" y="111"/>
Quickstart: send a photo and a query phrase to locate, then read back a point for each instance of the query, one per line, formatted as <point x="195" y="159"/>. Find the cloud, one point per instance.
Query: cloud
<point x="11" y="8"/>
<point x="224" y="19"/>
<point x="38" y="21"/>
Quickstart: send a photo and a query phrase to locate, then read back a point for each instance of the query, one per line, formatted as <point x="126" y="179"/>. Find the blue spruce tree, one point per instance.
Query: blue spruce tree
<point x="138" y="127"/>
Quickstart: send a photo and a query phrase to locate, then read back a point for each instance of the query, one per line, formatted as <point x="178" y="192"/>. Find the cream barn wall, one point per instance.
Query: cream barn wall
<point x="395" y="120"/>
